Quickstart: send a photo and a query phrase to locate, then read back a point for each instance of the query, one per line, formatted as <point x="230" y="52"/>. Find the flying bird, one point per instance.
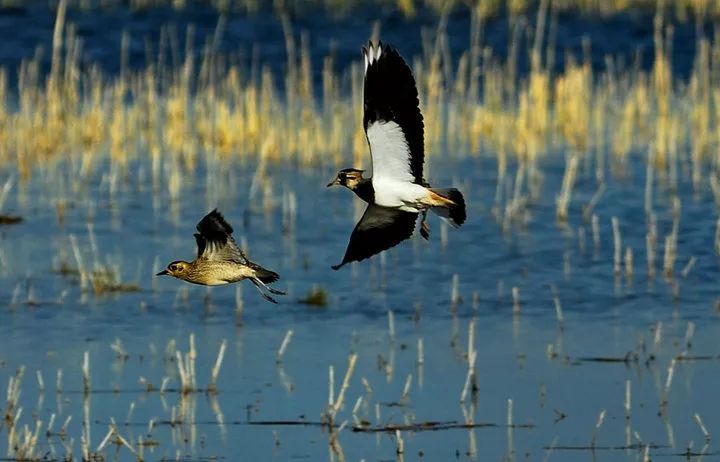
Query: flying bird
<point x="396" y="192"/>
<point x="220" y="261"/>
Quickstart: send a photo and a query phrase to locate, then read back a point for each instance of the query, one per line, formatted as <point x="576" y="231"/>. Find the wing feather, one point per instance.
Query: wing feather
<point x="380" y="228"/>
<point x="214" y="240"/>
<point x="392" y="119"/>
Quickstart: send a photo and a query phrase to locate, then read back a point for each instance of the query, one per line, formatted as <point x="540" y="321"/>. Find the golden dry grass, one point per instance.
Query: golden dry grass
<point x="476" y="104"/>
<point x="682" y="9"/>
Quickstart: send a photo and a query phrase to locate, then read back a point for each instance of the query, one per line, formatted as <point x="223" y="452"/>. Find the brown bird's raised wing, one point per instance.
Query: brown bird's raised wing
<point x="379" y="229"/>
<point x="214" y="240"/>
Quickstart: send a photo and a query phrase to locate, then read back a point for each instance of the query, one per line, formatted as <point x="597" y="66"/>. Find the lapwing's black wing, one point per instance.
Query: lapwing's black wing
<point x="214" y="239"/>
<point x="392" y="119"/>
<point x="379" y="229"/>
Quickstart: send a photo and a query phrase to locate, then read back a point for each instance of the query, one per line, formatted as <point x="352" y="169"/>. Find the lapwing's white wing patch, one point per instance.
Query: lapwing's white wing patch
<point x="392" y="119"/>
<point x="389" y="151"/>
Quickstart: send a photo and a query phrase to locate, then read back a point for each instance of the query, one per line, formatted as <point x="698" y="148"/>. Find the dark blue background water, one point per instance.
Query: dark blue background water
<point x="627" y="36"/>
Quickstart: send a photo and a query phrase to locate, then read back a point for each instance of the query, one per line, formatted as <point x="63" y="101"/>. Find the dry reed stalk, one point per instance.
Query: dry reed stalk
<point x="184" y="379"/>
<point x="700" y="423"/>
<point x="657" y="339"/>
<point x="668" y="384"/>
<point x="598" y="424"/>
<point x="334" y="407"/>
<point x="366" y="385"/>
<point x="558" y="307"/>
<point x="400" y="444"/>
<point x="391" y="325"/>
<point x="58" y="381"/>
<point x="212" y="386"/>
<point x="628" y="263"/>
<point x="57" y="41"/>
<point x="455" y="291"/>
<point x="510" y="427"/>
<point x="190" y="362"/>
<point x="119" y="350"/>
<point x="7" y="186"/>
<point x="670" y="255"/>
<point x="471" y="377"/>
<point x="420" y="352"/>
<point x="649" y="170"/>
<point x="688" y="267"/>
<point x="405" y="396"/>
<point x="689" y="333"/>
<point x="283" y="346"/>
<point x="13" y="392"/>
<point x="356" y="409"/>
<point x="563" y="199"/>
<point x="331" y="387"/>
<point x="593" y="202"/>
<point x="85" y="439"/>
<point x="651" y="245"/>
<point x="79" y="261"/>
<point x="617" y="240"/>
<point x="516" y="301"/>
<point x="628" y="399"/>
<point x="86" y="373"/>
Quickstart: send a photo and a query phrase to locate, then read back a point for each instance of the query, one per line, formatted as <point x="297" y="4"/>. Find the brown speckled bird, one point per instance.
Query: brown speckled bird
<point x="220" y="261"/>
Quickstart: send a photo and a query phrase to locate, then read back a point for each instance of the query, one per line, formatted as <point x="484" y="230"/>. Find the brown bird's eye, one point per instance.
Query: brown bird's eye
<point x="172" y="267"/>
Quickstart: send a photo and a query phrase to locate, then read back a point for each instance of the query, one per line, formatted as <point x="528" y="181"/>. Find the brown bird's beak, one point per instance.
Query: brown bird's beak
<point x="162" y="273"/>
<point x="334" y="182"/>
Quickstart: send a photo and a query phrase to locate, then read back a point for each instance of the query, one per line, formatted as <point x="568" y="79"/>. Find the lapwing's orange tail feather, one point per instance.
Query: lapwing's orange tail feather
<point x="450" y="205"/>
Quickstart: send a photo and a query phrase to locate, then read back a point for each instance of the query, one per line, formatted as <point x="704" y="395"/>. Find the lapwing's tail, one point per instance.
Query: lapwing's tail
<point x="453" y="208"/>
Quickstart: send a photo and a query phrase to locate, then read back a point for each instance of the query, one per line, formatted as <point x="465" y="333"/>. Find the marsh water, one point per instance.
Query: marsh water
<point x="545" y="390"/>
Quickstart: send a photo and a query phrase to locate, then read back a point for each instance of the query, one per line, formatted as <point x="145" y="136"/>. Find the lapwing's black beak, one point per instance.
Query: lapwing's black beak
<point x="333" y="182"/>
<point x="162" y="273"/>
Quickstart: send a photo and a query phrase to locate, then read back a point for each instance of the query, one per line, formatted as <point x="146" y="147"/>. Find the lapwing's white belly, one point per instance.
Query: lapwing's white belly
<point x="401" y="195"/>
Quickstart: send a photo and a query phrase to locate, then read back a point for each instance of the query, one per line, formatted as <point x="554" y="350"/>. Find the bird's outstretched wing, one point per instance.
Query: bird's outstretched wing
<point x="214" y="240"/>
<point x="392" y="119"/>
<point x="379" y="229"/>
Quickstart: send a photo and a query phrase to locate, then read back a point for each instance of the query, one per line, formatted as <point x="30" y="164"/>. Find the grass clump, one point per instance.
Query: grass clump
<point x="316" y="297"/>
<point x="106" y="280"/>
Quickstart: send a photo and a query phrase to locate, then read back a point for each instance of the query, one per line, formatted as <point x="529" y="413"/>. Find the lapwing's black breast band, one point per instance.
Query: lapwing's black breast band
<point x="365" y="191"/>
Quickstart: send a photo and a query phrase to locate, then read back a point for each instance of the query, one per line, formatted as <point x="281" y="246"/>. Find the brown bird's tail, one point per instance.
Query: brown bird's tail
<point x="453" y="208"/>
<point x="262" y="278"/>
<point x="265" y="275"/>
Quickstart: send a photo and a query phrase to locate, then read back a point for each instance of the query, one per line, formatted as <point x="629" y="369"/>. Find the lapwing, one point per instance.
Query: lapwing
<point x="396" y="192"/>
<point x="220" y="261"/>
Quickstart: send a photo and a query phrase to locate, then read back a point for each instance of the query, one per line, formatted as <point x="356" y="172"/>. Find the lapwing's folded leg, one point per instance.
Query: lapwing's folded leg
<point x="424" y="227"/>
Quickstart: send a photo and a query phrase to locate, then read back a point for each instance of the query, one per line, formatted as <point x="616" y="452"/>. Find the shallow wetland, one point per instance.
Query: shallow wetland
<point x="575" y="316"/>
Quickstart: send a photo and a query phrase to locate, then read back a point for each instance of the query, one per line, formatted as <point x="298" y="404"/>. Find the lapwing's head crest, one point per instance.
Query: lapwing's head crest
<point x="348" y="177"/>
<point x="176" y="269"/>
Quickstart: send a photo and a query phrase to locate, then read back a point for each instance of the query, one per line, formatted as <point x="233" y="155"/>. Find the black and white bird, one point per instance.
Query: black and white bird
<point x="396" y="192"/>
